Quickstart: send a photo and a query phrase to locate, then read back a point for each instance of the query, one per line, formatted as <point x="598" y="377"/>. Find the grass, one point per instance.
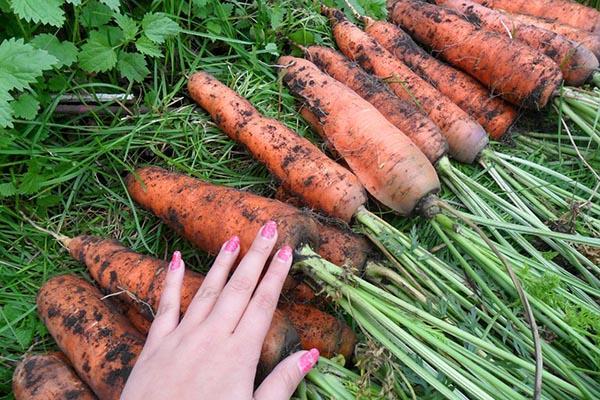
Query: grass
<point x="70" y="168"/>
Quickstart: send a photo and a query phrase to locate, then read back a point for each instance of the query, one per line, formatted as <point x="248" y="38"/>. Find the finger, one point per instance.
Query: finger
<point x="281" y="383"/>
<point x="213" y="283"/>
<point x="236" y="294"/>
<point x="257" y="319"/>
<point x="167" y="315"/>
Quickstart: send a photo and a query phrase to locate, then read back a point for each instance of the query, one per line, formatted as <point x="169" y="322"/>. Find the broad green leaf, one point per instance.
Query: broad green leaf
<point x="108" y="35"/>
<point x="272" y="48"/>
<point x="303" y="37"/>
<point x="74" y="2"/>
<point x="26" y="107"/>
<point x="158" y="27"/>
<point x="32" y="180"/>
<point x="128" y="25"/>
<point x="40" y="11"/>
<point x="277" y="13"/>
<point x="21" y="64"/>
<point x="112" y="4"/>
<point x="132" y="66"/>
<point x="7" y="189"/>
<point x="65" y="52"/>
<point x="97" y="56"/>
<point x="95" y="14"/>
<point x="147" y="47"/>
<point x="214" y="27"/>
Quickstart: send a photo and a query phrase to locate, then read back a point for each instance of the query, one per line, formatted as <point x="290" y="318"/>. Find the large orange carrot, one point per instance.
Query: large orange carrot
<point x="576" y="62"/>
<point x="493" y="113"/>
<point x="48" y="377"/>
<point x="565" y="11"/>
<point x="466" y="138"/>
<point x="402" y="114"/>
<point x="314" y="325"/>
<point x="509" y="68"/>
<point x="297" y="163"/>
<point x="337" y="244"/>
<point x="99" y="342"/>
<point x="208" y="215"/>
<point x="388" y="164"/>
<point x="117" y="269"/>
<point x="587" y="39"/>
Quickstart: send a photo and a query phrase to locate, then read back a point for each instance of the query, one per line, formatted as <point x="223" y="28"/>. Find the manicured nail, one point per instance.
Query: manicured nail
<point x="175" y="261"/>
<point x="269" y="230"/>
<point x="285" y="253"/>
<point x="232" y="244"/>
<point x="308" y="360"/>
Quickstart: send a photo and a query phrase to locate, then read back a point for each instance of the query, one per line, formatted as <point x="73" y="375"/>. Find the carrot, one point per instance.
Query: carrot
<point x="493" y="113"/>
<point x="208" y="215"/>
<point x="337" y="244"/>
<point x="575" y="61"/>
<point x="466" y="138"/>
<point x="564" y="11"/>
<point x="388" y="164"/>
<point x="589" y="40"/>
<point x="117" y="269"/>
<point x="295" y="161"/>
<point x="48" y="377"/>
<point x="511" y="69"/>
<point x="403" y="115"/>
<point x="296" y="291"/>
<point x="311" y="323"/>
<point x="99" y="342"/>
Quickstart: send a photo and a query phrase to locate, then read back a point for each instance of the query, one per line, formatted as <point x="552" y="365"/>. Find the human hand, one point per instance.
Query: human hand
<point x="213" y="352"/>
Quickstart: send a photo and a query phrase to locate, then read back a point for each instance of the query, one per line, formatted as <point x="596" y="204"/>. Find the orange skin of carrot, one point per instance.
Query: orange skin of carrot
<point x="589" y="40"/>
<point x="388" y="164"/>
<point x="465" y="137"/>
<point x="576" y="62"/>
<point x="403" y="115"/>
<point x="208" y="215"/>
<point x="117" y="268"/>
<point x="564" y="11"/>
<point x="99" y="342"/>
<point x="297" y="163"/>
<point x="494" y="114"/>
<point x="48" y="377"/>
<point x="508" y="68"/>
<point x="311" y="324"/>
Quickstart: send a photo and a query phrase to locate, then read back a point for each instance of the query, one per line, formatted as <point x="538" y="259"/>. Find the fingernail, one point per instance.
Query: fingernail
<point x="284" y="253"/>
<point x="269" y="230"/>
<point x="308" y="360"/>
<point x="232" y="244"/>
<point x="175" y="261"/>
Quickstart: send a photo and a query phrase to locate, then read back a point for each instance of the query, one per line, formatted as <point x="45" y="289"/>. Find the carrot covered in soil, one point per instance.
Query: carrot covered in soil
<point x="564" y="11"/>
<point x="208" y="215"/>
<point x="466" y="138"/>
<point x="576" y="62"/>
<point x="48" y="377"/>
<point x="301" y="167"/>
<point x="388" y="164"/>
<point x="402" y="114"/>
<point x="508" y="68"/>
<point x="99" y="342"/>
<point x="117" y="269"/>
<point x="587" y="39"/>
<point x="494" y="114"/>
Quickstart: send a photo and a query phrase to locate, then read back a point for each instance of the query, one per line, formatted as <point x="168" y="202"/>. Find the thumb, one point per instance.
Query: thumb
<point x="281" y="383"/>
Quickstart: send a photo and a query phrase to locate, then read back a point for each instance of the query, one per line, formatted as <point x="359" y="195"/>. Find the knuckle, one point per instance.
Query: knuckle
<point x="265" y="301"/>
<point x="288" y="378"/>
<point x="164" y="308"/>
<point x="240" y="284"/>
<point x="208" y="292"/>
<point x="261" y="249"/>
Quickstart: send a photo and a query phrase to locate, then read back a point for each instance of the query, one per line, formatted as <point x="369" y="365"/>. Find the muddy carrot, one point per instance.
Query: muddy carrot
<point x="402" y="114"/>
<point x="564" y="11"/>
<point x="494" y="114"/>
<point x="48" y="377"/>
<point x="466" y="138"/>
<point x="208" y="215"/>
<point x="295" y="161"/>
<point x="508" y="68"/>
<point x="388" y="164"/>
<point x="576" y="62"/>
<point x="99" y="342"/>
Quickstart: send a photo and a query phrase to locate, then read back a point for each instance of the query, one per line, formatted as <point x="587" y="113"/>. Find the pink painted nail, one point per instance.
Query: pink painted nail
<point x="175" y="261"/>
<point x="308" y="360"/>
<point x="284" y="253"/>
<point x="232" y="244"/>
<point x="269" y="230"/>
